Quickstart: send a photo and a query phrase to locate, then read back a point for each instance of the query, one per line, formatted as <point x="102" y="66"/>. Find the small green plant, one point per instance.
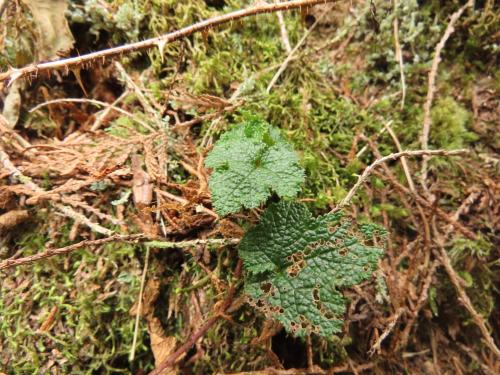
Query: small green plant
<point x="296" y="265"/>
<point x="250" y="162"/>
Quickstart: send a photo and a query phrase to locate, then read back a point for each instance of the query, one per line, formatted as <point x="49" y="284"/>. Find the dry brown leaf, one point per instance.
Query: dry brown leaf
<point x="149" y="297"/>
<point x="54" y="35"/>
<point x="142" y="188"/>
<point x="12" y="103"/>
<point x="161" y="345"/>
<point x="12" y="218"/>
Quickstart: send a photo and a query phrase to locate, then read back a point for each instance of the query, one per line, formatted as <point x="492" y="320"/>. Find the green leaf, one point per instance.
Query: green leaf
<point x="297" y="265"/>
<point x="249" y="162"/>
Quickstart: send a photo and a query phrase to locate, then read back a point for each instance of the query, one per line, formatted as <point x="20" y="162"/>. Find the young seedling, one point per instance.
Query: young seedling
<point x="296" y="265"/>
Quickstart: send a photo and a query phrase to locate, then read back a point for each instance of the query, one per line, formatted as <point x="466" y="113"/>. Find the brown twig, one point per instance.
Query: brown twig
<point x="464" y="298"/>
<point x="139" y="305"/>
<point x="476" y="359"/>
<point x="160" y="41"/>
<point x="393" y="320"/>
<point x="193" y="243"/>
<point x="432" y="87"/>
<point x="208" y="116"/>
<point x="9" y="263"/>
<point x="284" y="33"/>
<point x="368" y="171"/>
<point x="404" y="164"/>
<point x="438" y="211"/>
<point x="422" y="300"/>
<point x="172" y="358"/>
<point x="399" y="54"/>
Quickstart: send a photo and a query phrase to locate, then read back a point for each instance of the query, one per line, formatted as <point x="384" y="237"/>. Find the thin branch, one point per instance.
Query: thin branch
<point x="365" y="147"/>
<point x="192" y="243"/>
<point x="368" y="171"/>
<point x="464" y="298"/>
<point x="475" y="358"/>
<point x="430" y="206"/>
<point x="9" y="263"/>
<point x="139" y="306"/>
<point x="432" y="87"/>
<point x="284" y="32"/>
<point x="399" y="55"/>
<point x="138" y="92"/>
<point x="406" y="168"/>
<point x="208" y="116"/>
<point x="133" y="238"/>
<point x="160" y="41"/>
<point x="5" y="128"/>
<point x="394" y="319"/>
<point x="184" y="202"/>
<point x="77" y="216"/>
<point x="100" y="116"/>
<point x="3" y="6"/>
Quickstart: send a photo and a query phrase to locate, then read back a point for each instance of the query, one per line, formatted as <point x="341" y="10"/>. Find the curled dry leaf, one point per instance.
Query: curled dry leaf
<point x="12" y="104"/>
<point x="12" y="218"/>
<point x="54" y="36"/>
<point x="161" y="345"/>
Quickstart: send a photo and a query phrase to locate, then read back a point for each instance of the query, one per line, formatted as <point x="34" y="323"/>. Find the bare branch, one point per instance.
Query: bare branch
<point x="464" y="298"/>
<point x="284" y="32"/>
<point x="139" y="305"/>
<point x="96" y="103"/>
<point x="9" y="263"/>
<point x="432" y="87"/>
<point x="406" y="169"/>
<point x="67" y="64"/>
<point x="399" y="54"/>
<point x="394" y="319"/>
<point x="368" y="171"/>
<point x="192" y="243"/>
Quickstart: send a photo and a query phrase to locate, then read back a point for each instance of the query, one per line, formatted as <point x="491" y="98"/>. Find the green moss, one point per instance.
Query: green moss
<point x="450" y="122"/>
<point x="92" y="328"/>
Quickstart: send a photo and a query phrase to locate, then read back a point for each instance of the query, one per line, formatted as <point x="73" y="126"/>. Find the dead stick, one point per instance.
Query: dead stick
<point x="464" y="299"/>
<point x="9" y="263"/>
<point x="160" y="41"/>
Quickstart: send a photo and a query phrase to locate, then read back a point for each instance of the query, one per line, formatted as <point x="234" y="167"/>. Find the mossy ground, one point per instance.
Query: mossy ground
<point x="322" y="104"/>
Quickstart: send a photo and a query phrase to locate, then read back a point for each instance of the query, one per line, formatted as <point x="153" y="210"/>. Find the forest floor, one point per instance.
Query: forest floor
<point x="109" y="155"/>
